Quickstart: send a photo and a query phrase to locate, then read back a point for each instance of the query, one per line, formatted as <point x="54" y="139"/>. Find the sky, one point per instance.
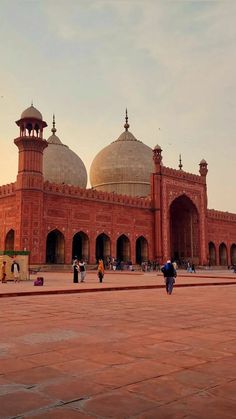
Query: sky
<point x="171" y="63"/>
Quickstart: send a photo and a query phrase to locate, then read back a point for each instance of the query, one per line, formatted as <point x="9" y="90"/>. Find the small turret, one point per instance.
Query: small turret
<point x="203" y="167"/>
<point x="157" y="158"/>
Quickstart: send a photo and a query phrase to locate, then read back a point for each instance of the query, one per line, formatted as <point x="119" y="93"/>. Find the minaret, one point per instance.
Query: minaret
<point x="31" y="145"/>
<point x="156" y="186"/>
<point x="203" y="170"/>
<point x="29" y="185"/>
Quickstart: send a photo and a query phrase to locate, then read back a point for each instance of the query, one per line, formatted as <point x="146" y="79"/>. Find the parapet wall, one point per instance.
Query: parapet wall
<point x="221" y="215"/>
<point x="92" y="194"/>
<point x="181" y="174"/>
<point x="6" y="190"/>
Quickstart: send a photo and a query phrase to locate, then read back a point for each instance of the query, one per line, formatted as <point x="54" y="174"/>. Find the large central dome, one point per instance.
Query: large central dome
<point x="62" y="165"/>
<point x="123" y="167"/>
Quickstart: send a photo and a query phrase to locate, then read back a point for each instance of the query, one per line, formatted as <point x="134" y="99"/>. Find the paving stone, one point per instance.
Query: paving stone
<point x="130" y="354"/>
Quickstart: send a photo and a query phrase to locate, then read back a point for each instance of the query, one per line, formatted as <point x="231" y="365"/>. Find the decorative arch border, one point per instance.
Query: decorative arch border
<point x="192" y="199"/>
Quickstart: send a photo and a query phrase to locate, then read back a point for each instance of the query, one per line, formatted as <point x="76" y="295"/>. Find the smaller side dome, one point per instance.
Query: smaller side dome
<point x="203" y="161"/>
<point x="31" y="112"/>
<point x="62" y="165"/>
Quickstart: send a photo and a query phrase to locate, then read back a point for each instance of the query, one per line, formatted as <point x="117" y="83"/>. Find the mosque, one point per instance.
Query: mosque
<point x="136" y="209"/>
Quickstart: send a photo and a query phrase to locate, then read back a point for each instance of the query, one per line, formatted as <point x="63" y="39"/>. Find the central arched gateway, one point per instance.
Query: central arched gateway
<point x="55" y="247"/>
<point x="184" y="230"/>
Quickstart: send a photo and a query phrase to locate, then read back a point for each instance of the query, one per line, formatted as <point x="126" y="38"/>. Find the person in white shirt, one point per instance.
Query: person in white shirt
<point x="82" y="270"/>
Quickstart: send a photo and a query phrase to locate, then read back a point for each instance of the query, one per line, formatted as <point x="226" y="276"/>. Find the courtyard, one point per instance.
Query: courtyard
<point x="137" y="353"/>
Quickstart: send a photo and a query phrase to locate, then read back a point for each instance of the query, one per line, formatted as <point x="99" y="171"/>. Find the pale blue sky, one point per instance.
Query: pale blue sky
<point x="171" y="63"/>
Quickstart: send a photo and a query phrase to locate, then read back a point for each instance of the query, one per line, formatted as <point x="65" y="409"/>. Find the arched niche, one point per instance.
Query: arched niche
<point x="233" y="254"/>
<point x="212" y="254"/>
<point x="123" y="248"/>
<point x="10" y="240"/>
<point x="103" y="246"/>
<point x="55" y="247"/>
<point x="141" y="249"/>
<point x="80" y="246"/>
<point x="223" y="254"/>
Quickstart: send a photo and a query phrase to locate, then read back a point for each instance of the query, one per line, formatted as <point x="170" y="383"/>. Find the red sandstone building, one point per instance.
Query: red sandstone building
<point x="137" y="209"/>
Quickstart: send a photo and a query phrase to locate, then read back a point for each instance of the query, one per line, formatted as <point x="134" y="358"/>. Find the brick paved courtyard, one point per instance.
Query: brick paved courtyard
<point x="120" y="354"/>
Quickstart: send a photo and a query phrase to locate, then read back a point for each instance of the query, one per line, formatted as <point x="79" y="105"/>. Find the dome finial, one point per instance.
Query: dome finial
<point x="180" y="163"/>
<point x="53" y="125"/>
<point x="32" y="103"/>
<point x="126" y="126"/>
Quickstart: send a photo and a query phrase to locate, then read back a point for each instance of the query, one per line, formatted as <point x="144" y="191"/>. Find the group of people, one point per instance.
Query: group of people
<point x="191" y="267"/>
<point x="79" y="267"/>
<point x="15" y="270"/>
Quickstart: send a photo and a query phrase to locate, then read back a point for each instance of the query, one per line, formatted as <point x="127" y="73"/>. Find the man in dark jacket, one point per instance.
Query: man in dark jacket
<point x="169" y="273"/>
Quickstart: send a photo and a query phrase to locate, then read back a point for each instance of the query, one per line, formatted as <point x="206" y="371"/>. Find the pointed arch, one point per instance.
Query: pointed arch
<point x="223" y="254"/>
<point x="80" y="246"/>
<point x="141" y="250"/>
<point x="123" y="248"/>
<point x="212" y="254"/>
<point x="10" y="240"/>
<point x="184" y="230"/>
<point x="103" y="246"/>
<point x="55" y="247"/>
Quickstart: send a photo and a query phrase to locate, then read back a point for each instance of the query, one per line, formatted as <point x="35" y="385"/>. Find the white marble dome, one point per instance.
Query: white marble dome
<point x="123" y="167"/>
<point x="62" y="165"/>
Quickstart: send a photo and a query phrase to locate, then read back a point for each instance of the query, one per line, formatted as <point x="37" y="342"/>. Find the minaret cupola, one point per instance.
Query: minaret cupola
<point x="31" y="123"/>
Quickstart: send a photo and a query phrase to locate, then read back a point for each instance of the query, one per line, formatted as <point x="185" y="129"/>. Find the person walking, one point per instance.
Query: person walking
<point x="82" y="270"/>
<point x="15" y="270"/>
<point x="3" y="272"/>
<point x="169" y="275"/>
<point x="75" y="270"/>
<point x="100" y="270"/>
<point x="193" y="268"/>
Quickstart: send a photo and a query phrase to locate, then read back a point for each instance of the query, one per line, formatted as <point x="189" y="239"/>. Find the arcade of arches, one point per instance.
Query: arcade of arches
<point x="182" y="246"/>
<point x="219" y="256"/>
<point x="55" y="247"/>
